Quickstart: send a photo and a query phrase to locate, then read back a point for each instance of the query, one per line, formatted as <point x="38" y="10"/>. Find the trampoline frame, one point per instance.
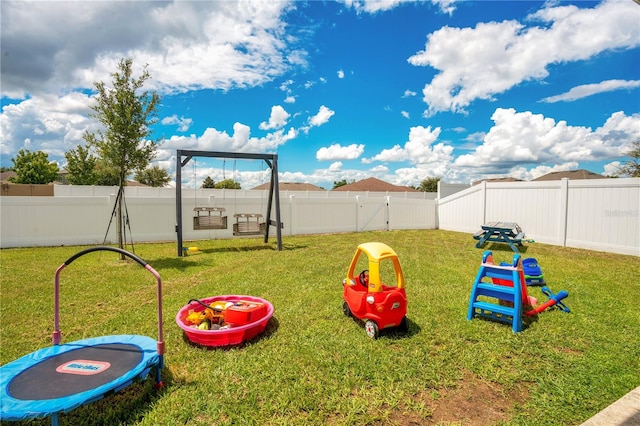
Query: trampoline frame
<point x="152" y="355"/>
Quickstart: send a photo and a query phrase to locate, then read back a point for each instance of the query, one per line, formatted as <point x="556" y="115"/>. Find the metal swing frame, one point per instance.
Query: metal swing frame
<point x="184" y="156"/>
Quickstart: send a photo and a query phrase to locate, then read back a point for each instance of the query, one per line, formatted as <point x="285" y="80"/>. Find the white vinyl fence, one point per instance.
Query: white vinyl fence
<point x="602" y="214"/>
<point x="595" y="214"/>
<point x="79" y="215"/>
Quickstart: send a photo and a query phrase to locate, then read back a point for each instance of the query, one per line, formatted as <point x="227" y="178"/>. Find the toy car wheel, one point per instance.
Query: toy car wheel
<point x="372" y="329"/>
<point x="345" y="308"/>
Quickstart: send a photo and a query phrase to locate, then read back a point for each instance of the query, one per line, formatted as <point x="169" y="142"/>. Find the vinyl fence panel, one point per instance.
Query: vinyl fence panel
<point x="596" y="214"/>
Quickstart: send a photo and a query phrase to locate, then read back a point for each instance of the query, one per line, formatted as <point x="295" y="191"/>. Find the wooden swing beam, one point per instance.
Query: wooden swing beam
<point x="184" y="156"/>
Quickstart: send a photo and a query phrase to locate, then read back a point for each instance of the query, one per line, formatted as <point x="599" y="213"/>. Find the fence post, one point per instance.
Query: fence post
<point x="292" y="198"/>
<point x="357" y="212"/>
<point x="388" y="212"/>
<point x="563" y="211"/>
<point x="484" y="201"/>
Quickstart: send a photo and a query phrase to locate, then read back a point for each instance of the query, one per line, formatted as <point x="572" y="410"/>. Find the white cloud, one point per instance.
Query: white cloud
<point x="405" y="114"/>
<point x="419" y="149"/>
<point x="527" y="138"/>
<point x="322" y="117"/>
<point x="188" y="45"/>
<point x="586" y="90"/>
<point x="340" y="74"/>
<point x="612" y="169"/>
<point x="277" y="119"/>
<point x="183" y="123"/>
<point x="478" y="63"/>
<point x="409" y="93"/>
<point x="339" y="152"/>
<point x="335" y="166"/>
<point x="49" y="123"/>
<point x="375" y="6"/>
<point x="290" y="100"/>
<point x="379" y="169"/>
<point x="240" y="141"/>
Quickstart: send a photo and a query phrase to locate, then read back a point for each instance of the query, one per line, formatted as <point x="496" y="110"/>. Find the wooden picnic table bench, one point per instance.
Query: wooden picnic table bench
<point x="500" y="232"/>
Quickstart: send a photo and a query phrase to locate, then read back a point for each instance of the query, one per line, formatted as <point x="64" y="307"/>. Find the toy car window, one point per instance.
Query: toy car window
<point x="388" y="273"/>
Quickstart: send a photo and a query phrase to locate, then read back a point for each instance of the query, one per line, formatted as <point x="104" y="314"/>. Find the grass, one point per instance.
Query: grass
<point x="313" y="365"/>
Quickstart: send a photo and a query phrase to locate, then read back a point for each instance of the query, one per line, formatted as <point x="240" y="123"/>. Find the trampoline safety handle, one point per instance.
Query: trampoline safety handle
<point x="56" y="337"/>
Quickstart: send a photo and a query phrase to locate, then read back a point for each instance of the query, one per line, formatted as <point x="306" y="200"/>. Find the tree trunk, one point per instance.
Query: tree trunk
<point x="119" y="221"/>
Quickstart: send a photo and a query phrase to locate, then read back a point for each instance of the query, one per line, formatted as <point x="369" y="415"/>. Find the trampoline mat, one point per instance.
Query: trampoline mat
<point x="75" y="371"/>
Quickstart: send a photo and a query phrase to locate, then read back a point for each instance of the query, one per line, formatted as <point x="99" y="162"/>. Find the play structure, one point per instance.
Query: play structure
<point x="214" y="217"/>
<point x="224" y="320"/>
<point x="65" y="376"/>
<point x="500" y="293"/>
<point x="367" y="298"/>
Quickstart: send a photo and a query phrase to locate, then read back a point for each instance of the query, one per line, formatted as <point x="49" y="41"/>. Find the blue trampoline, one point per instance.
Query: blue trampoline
<point x="63" y="377"/>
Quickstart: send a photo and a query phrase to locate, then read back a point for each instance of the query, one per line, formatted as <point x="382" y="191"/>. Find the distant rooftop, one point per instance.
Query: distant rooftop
<point x="570" y="174"/>
<point x="374" y="185"/>
<point x="292" y="186"/>
<point x="500" y="179"/>
<point x="4" y="176"/>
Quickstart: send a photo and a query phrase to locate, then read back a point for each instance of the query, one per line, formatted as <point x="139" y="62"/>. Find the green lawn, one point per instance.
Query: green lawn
<point x="313" y="365"/>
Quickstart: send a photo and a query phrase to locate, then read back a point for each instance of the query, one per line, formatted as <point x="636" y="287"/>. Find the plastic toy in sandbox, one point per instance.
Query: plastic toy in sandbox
<point x="224" y="320"/>
<point x="367" y="298"/>
<point x="500" y="293"/>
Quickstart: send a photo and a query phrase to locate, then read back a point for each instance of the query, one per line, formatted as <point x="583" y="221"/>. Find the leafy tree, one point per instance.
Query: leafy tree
<point x="208" y="183"/>
<point x="429" y="184"/>
<point x="127" y="114"/>
<point x="227" y="184"/>
<point x="81" y="166"/>
<point x="632" y="167"/>
<point x="107" y="176"/>
<point x="34" y="168"/>
<point x="154" y="176"/>
<point x="342" y="182"/>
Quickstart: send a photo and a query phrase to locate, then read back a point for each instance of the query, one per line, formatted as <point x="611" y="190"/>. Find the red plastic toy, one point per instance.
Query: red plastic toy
<point x="365" y="296"/>
<point x="234" y="319"/>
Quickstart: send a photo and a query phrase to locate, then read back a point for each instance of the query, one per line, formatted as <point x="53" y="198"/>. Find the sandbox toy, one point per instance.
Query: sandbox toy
<point x="224" y="320"/>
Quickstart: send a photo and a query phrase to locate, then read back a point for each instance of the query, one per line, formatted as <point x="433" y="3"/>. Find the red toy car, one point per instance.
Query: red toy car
<point x="367" y="298"/>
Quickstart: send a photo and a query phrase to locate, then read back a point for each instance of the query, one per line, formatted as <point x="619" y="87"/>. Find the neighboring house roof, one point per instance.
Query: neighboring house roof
<point x="132" y="182"/>
<point x="374" y="185"/>
<point x="571" y="174"/>
<point x="501" y="179"/>
<point x="291" y="186"/>
<point x="4" y="176"/>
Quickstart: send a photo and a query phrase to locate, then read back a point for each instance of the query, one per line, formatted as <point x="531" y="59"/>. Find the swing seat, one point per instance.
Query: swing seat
<point x="249" y="224"/>
<point x="209" y="218"/>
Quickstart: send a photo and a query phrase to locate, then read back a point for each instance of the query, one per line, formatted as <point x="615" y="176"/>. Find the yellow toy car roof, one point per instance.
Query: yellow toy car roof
<point x="376" y="250"/>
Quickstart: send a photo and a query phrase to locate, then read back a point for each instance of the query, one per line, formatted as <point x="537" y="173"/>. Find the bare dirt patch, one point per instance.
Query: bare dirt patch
<point x="473" y="402"/>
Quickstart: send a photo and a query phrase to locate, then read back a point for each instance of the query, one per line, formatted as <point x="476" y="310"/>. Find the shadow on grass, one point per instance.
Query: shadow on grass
<point x="394" y="333"/>
<point x="271" y="328"/>
<point x="127" y="406"/>
<point x="502" y="248"/>
<point x="527" y="321"/>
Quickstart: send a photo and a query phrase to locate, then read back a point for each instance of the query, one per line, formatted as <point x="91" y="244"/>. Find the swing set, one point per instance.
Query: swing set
<point x="207" y="217"/>
<point x="215" y="217"/>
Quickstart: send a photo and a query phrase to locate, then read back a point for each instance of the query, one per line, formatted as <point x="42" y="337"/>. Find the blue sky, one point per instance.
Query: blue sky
<point x="400" y="91"/>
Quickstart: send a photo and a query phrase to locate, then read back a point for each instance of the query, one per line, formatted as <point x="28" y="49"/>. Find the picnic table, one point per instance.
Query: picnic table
<point x="500" y="232"/>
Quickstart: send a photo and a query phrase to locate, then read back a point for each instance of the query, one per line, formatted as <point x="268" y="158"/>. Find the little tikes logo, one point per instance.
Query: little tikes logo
<point x="83" y="367"/>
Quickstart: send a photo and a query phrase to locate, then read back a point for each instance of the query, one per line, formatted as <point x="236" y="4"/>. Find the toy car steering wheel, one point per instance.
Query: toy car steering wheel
<point x="364" y="278"/>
